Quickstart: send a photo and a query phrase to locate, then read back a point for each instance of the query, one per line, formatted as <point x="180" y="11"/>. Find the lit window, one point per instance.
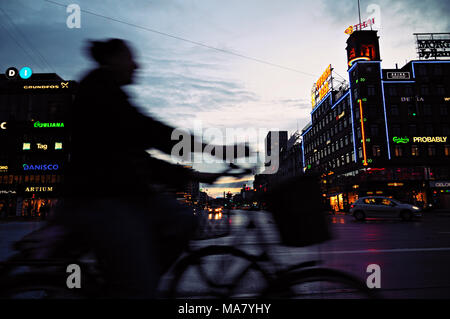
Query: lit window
<point x="431" y="150"/>
<point x="376" y="151"/>
<point x="447" y="150"/>
<point x="398" y="151"/>
<point x="414" y="150"/>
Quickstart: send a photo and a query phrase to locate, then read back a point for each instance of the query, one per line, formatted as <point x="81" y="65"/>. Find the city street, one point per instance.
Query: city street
<point x="413" y="256"/>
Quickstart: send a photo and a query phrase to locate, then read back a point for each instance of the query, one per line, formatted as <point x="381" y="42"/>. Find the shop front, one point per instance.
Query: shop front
<point x="440" y="194"/>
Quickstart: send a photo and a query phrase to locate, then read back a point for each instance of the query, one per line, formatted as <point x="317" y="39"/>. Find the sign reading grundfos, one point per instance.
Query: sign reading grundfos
<point x="41" y="167"/>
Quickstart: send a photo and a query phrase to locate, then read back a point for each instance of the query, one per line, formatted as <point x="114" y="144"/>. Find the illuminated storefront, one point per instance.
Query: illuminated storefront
<point x="384" y="132"/>
<point x="36" y="143"/>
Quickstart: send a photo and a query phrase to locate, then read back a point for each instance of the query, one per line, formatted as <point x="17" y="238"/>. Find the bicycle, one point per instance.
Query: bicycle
<point x="38" y="269"/>
<point x="275" y="280"/>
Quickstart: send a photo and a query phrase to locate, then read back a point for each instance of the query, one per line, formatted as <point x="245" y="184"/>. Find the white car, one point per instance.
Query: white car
<point x="378" y="206"/>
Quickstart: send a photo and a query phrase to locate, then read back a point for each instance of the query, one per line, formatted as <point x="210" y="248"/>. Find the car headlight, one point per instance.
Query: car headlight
<point x="415" y="207"/>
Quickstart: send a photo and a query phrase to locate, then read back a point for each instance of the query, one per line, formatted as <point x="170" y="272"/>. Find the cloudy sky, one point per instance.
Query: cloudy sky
<point x="180" y="82"/>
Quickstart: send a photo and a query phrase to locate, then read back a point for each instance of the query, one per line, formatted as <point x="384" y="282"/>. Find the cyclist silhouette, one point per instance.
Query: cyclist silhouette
<point x="135" y="231"/>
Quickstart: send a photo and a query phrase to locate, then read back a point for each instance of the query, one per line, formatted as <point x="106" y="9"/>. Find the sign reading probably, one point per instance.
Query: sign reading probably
<point x="420" y="139"/>
<point x="430" y="139"/>
<point x="433" y="45"/>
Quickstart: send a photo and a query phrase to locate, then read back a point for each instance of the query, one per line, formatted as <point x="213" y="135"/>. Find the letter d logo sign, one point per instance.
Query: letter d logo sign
<point x="11" y="73"/>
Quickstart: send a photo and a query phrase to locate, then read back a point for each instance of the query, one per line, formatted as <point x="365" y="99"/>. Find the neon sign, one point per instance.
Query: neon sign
<point x="321" y="87"/>
<point x="433" y="45"/>
<point x="360" y="26"/>
<point x="400" y="140"/>
<point x="3" y="168"/>
<point x="362" y="58"/>
<point x="3" y="125"/>
<point x="39" y="189"/>
<point x="363" y="133"/>
<point x="26" y="146"/>
<point x="42" y="146"/>
<point x="58" y="146"/>
<point x="40" y="167"/>
<point x="398" y="75"/>
<point x="430" y="139"/>
<point x="39" y="124"/>
<point x="48" y="86"/>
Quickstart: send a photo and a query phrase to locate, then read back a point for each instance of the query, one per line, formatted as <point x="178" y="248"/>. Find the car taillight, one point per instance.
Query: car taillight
<point x="352" y="206"/>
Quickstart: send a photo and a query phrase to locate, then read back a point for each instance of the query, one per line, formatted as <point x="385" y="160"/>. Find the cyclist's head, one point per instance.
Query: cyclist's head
<point x="116" y="55"/>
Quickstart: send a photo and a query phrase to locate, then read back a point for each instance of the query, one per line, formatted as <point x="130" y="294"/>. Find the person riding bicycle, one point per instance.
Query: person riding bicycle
<point x="107" y="198"/>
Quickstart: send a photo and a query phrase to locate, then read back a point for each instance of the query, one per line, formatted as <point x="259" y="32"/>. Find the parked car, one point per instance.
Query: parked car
<point x="378" y="206"/>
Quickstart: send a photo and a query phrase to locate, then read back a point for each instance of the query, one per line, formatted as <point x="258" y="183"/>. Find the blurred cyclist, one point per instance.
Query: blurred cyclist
<point x="135" y="232"/>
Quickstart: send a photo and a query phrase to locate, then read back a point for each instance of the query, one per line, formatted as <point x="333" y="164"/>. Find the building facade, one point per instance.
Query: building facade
<point x="34" y="142"/>
<point x="385" y="133"/>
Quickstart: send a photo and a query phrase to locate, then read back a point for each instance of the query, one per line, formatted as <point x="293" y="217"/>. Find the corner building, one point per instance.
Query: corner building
<point x="385" y="132"/>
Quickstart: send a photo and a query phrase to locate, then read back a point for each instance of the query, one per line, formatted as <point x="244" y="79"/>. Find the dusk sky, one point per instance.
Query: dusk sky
<point x="179" y="81"/>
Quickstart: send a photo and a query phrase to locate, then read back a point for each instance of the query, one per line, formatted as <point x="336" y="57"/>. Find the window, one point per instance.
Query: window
<point x="409" y="91"/>
<point x="398" y="151"/>
<point x="412" y="110"/>
<point x="414" y="150"/>
<point x="424" y="90"/>
<point x="370" y="201"/>
<point x="428" y="129"/>
<point x="422" y="70"/>
<point x="394" y="110"/>
<point x="371" y="90"/>
<point x="431" y="150"/>
<point x="360" y="152"/>
<point x="440" y="90"/>
<point x="444" y="109"/>
<point x="358" y="132"/>
<point x="412" y="128"/>
<point x="445" y="129"/>
<point x="392" y="91"/>
<point x="374" y="131"/>
<point x="427" y="109"/>
<point x="376" y="151"/>
<point x="385" y="202"/>
<point x="396" y="130"/>
<point x="447" y="150"/>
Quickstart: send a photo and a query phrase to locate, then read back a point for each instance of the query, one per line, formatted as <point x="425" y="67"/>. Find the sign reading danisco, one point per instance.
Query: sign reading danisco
<point x="41" y="167"/>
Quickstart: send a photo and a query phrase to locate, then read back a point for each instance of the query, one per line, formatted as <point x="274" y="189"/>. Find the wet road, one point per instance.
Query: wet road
<point x="414" y="257"/>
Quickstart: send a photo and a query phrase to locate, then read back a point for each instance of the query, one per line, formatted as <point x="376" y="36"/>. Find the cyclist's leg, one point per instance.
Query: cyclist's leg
<point x="121" y="237"/>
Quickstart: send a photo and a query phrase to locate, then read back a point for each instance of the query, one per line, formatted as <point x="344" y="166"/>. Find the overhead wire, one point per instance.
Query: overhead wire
<point x="31" y="46"/>
<point x="187" y="40"/>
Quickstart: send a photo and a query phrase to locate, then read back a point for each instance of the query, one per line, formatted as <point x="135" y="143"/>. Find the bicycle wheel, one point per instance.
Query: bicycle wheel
<point x="217" y="272"/>
<point x="319" y="283"/>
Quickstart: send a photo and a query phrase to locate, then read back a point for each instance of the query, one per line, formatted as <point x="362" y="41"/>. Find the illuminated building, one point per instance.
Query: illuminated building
<point x="34" y="141"/>
<point x="385" y="133"/>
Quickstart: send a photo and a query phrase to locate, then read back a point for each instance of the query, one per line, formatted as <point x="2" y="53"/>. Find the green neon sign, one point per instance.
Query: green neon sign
<point x="400" y="140"/>
<point x="39" y="124"/>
